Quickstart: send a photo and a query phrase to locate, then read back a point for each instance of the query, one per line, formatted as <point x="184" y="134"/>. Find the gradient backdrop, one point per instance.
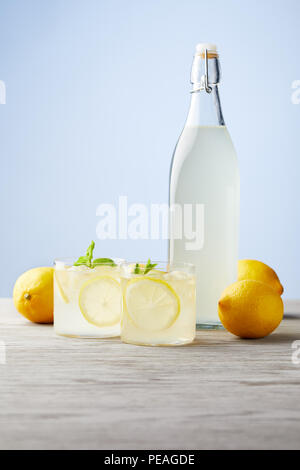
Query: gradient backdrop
<point x="97" y="94"/>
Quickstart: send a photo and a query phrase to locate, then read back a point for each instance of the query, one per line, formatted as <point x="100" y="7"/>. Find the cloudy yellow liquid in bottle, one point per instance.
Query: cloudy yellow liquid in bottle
<point x="205" y="172"/>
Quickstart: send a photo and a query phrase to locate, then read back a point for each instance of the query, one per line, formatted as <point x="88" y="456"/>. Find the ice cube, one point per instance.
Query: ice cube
<point x="81" y="268"/>
<point x="59" y="265"/>
<point x="176" y="276"/>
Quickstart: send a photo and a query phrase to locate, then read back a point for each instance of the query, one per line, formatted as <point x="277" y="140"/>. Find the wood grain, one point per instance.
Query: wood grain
<point x="219" y="393"/>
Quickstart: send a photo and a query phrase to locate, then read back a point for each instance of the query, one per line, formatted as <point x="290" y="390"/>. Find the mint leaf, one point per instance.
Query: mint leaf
<point x="89" y="253"/>
<point x="82" y="260"/>
<point x="137" y="269"/>
<point x="87" y="259"/>
<point x="149" y="266"/>
<point x="104" y="261"/>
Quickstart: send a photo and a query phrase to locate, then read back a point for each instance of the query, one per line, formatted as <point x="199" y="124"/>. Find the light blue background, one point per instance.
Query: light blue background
<point x="97" y="94"/>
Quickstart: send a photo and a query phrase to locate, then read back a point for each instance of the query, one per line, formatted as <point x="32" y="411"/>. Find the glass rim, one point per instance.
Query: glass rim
<point x="179" y="264"/>
<point x="69" y="260"/>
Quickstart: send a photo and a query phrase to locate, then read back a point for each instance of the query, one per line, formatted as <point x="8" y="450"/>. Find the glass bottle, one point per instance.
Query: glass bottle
<point x="204" y="191"/>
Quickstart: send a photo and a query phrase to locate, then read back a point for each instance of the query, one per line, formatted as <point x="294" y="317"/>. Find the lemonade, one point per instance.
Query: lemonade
<point x="205" y="172"/>
<point x="87" y="298"/>
<point x="159" y="304"/>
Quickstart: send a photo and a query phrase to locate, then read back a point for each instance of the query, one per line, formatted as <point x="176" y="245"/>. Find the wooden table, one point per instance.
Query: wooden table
<point x="219" y="393"/>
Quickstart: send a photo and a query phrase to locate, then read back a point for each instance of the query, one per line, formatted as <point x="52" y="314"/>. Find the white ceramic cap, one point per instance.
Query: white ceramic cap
<point x="200" y="48"/>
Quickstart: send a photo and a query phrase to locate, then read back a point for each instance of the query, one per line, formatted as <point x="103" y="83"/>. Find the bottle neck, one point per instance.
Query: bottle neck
<point x="205" y="108"/>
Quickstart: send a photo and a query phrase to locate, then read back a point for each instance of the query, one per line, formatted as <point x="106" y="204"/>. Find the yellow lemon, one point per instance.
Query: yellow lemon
<point x="33" y="295"/>
<point x="258" y="271"/>
<point x="250" y="309"/>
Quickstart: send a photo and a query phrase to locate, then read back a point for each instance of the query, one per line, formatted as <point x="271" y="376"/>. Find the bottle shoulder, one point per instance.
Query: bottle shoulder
<point x="204" y="141"/>
<point x="204" y="150"/>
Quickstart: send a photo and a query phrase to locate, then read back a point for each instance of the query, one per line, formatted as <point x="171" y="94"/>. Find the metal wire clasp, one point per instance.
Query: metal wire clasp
<point x="204" y="86"/>
<point x="208" y="88"/>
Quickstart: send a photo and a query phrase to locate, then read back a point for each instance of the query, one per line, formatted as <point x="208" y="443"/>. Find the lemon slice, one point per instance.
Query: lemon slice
<point x="60" y="289"/>
<point x="151" y="303"/>
<point x="100" y="301"/>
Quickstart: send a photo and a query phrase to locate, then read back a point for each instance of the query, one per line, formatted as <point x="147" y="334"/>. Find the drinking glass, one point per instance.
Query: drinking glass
<point x="159" y="305"/>
<point x="87" y="301"/>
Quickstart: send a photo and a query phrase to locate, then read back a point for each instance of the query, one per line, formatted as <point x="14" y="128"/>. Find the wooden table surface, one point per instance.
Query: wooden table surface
<point x="219" y="393"/>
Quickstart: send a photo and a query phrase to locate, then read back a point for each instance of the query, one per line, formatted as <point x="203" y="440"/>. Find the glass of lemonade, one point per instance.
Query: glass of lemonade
<point x="159" y="304"/>
<point x="87" y="300"/>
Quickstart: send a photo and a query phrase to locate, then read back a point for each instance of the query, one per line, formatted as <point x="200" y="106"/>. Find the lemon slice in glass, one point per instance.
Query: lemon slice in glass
<point x="152" y="304"/>
<point x="58" y="285"/>
<point x="100" y="301"/>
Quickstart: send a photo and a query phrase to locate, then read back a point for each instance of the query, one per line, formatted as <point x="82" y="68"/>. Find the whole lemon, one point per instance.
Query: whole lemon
<point x="258" y="271"/>
<point x="250" y="309"/>
<point x="33" y="295"/>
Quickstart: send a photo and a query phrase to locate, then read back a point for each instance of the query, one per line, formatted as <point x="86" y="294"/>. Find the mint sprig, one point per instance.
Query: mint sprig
<point x="88" y="261"/>
<point x="149" y="266"/>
